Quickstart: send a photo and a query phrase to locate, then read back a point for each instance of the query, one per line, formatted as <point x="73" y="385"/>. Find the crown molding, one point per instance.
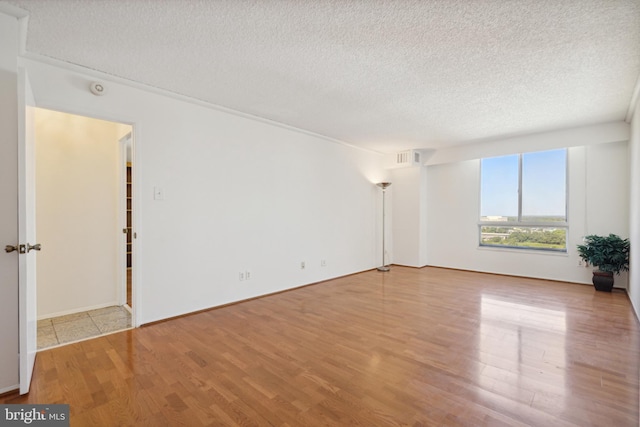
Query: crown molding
<point x="634" y="101"/>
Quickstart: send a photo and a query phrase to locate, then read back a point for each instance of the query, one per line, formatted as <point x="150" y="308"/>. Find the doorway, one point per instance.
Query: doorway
<point x="83" y="203"/>
<point x="126" y="148"/>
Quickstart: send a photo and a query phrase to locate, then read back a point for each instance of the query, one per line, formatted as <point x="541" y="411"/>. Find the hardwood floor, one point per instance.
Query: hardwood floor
<point x="421" y="347"/>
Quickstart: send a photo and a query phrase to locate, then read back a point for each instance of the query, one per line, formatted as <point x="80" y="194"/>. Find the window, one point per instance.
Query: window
<point x="523" y="201"/>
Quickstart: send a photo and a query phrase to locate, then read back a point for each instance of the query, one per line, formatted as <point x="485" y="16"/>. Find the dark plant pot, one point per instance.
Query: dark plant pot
<point x="603" y="280"/>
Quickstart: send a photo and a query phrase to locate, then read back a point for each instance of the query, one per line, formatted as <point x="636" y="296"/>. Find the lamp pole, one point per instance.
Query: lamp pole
<point x="384" y="186"/>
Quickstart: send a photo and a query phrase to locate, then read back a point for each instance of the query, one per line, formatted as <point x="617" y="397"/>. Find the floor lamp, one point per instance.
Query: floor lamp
<point x="384" y="186"/>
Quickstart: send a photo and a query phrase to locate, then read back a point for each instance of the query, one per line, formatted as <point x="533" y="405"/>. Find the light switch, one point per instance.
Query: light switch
<point x="158" y="193"/>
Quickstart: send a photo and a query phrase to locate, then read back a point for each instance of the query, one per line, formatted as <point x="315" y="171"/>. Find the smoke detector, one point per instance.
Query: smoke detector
<point x="97" y="88"/>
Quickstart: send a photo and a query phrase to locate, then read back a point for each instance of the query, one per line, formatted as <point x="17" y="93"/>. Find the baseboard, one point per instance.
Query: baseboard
<point x="77" y="310"/>
<point x="9" y="389"/>
<point x="548" y="279"/>
<point x="215" y="307"/>
<point x="408" y="266"/>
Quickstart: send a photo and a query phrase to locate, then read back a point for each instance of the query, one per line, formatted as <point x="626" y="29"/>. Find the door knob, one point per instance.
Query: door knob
<point x="35" y="247"/>
<point x="23" y="249"/>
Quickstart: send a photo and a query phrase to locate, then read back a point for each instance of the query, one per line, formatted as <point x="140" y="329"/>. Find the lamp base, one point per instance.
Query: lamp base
<point x="383" y="268"/>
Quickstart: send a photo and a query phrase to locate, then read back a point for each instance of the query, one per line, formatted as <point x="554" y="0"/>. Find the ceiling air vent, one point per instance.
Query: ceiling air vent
<point x="405" y="159"/>
<point x="402" y="158"/>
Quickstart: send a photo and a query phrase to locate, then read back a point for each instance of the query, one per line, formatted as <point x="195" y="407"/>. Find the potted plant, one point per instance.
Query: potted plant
<point x="610" y="254"/>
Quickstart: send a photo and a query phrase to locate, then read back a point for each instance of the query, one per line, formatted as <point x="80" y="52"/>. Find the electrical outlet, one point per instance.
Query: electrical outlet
<point x="302" y="265"/>
<point x="323" y="263"/>
<point x="241" y="276"/>
<point x="580" y="263"/>
<point x="247" y="275"/>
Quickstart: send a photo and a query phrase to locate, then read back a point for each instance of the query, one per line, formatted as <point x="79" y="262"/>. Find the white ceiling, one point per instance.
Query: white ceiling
<point x="383" y="75"/>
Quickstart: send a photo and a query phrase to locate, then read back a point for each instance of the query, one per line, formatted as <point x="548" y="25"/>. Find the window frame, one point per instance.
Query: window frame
<point x="519" y="223"/>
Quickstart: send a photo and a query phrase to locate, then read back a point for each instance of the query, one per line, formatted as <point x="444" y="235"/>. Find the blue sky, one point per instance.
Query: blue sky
<point x="543" y="184"/>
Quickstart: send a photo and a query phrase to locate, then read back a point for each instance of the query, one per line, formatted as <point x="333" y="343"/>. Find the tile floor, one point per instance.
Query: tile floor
<point x="79" y="326"/>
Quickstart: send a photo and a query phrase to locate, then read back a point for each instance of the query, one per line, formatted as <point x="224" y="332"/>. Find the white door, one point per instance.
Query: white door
<point x="125" y="201"/>
<point x="28" y="248"/>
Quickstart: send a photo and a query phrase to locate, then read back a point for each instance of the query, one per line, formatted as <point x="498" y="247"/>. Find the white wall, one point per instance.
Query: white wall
<point x="408" y="190"/>
<point x="573" y="137"/>
<point x="77" y="181"/>
<point x="239" y="194"/>
<point x="598" y="204"/>
<point x="634" y="223"/>
<point x="9" y="203"/>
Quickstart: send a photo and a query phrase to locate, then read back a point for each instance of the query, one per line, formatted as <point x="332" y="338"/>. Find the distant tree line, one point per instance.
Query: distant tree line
<point x="533" y="237"/>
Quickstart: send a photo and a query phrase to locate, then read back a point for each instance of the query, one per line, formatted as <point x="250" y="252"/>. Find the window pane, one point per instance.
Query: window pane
<point x="548" y="238"/>
<point x="544" y="186"/>
<point x="499" y="189"/>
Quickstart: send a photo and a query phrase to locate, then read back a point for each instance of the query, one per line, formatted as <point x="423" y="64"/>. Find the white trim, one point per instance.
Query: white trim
<point x="23" y="23"/>
<point x="10" y="388"/>
<point x="524" y="250"/>
<point x="122" y="218"/>
<point x="136" y="294"/>
<point x="634" y="101"/>
<point x="539" y="224"/>
<point x="11" y="10"/>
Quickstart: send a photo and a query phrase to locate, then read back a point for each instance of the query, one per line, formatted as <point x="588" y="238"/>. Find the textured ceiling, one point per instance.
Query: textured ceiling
<point x="384" y="75"/>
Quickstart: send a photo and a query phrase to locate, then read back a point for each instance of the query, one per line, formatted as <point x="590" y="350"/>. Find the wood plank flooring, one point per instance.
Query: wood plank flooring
<point x="416" y="347"/>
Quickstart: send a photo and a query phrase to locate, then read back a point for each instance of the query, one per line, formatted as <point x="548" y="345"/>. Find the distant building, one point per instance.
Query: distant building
<point x="497" y="218"/>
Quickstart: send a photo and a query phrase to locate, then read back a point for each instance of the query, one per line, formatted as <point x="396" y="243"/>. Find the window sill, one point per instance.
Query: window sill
<point x="527" y="251"/>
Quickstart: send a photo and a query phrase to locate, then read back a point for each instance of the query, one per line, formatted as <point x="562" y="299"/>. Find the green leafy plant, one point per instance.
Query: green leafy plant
<point x="608" y="253"/>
